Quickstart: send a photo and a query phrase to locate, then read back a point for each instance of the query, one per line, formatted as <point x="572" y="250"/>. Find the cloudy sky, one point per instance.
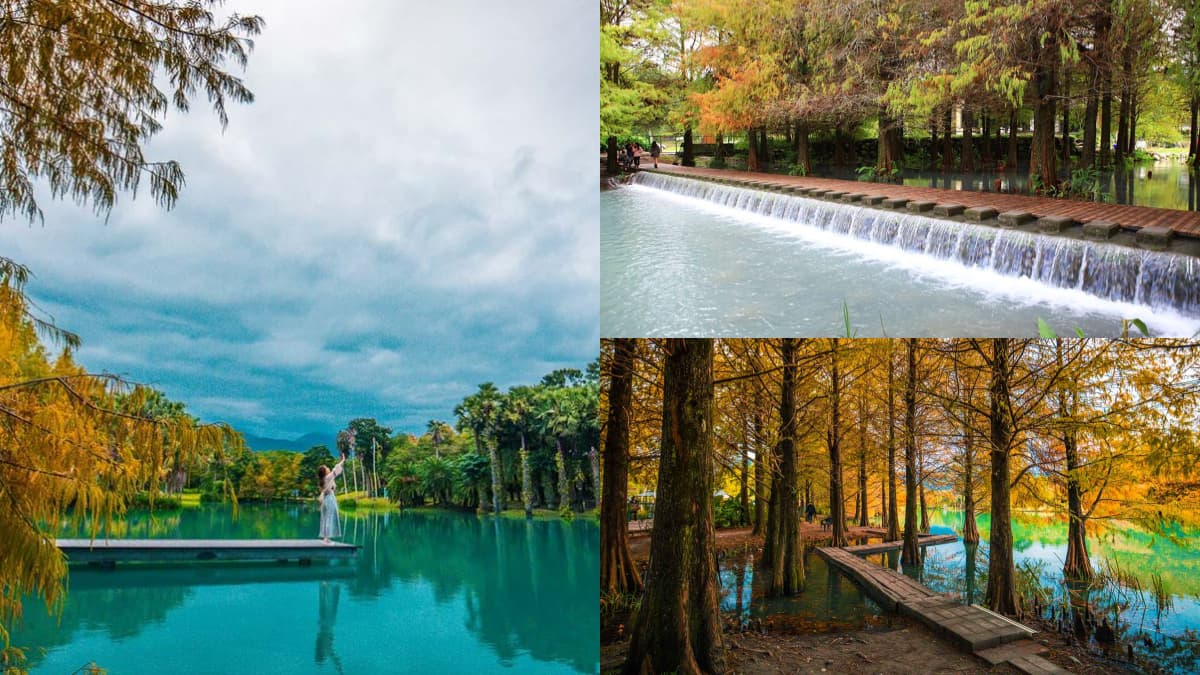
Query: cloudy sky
<point x="408" y="209"/>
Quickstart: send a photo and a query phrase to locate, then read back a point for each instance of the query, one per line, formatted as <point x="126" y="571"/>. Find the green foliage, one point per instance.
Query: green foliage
<point x="794" y="170"/>
<point x="312" y="459"/>
<point x="145" y="501"/>
<point x="728" y="513"/>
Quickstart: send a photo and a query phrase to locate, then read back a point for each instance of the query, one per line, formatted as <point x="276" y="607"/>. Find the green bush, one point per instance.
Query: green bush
<point x="347" y="503"/>
<point x="141" y="500"/>
<point x="728" y="513"/>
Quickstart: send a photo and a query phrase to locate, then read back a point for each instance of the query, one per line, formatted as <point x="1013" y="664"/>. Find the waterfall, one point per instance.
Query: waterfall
<point x="1160" y="280"/>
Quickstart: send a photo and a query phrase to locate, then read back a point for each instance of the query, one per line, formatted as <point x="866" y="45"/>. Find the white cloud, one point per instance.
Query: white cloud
<point x="409" y="208"/>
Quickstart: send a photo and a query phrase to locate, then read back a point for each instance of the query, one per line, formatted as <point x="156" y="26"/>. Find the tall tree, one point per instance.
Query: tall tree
<point x="910" y="553"/>
<point x="677" y="628"/>
<point x="617" y="571"/>
<point x="837" y="504"/>
<point x="787" y="552"/>
<point x="1001" y="589"/>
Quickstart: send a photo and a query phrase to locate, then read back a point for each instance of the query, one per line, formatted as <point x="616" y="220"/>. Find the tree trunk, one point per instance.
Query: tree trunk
<point x="564" y="481"/>
<point x="802" y="153"/>
<point x="689" y="148"/>
<point x="924" y="508"/>
<point x="837" y="507"/>
<point x="889" y="147"/>
<point x="970" y="527"/>
<point x="527" y="488"/>
<point x="744" y="495"/>
<point x="498" y="504"/>
<point x="986" y="141"/>
<point x="1066" y="118"/>
<point x="1077" y="566"/>
<point x="764" y="151"/>
<point x="787" y="560"/>
<point x="947" y="146"/>
<point x="1088" y="159"/>
<point x="967" y="161"/>
<point x="1011" y="160"/>
<point x="612" y="156"/>
<point x="1001" y="590"/>
<point x="1133" y="118"/>
<point x="893" y="529"/>
<point x="883" y="500"/>
<point x="719" y="153"/>
<point x="1195" y="109"/>
<point x="839" y="149"/>
<point x="1042" y="159"/>
<point x="761" y="465"/>
<point x="1123" y="113"/>
<point x="678" y="625"/>
<point x="1103" y="22"/>
<point x="862" y="507"/>
<point x="751" y="150"/>
<point x="910" y="554"/>
<point x="933" y="138"/>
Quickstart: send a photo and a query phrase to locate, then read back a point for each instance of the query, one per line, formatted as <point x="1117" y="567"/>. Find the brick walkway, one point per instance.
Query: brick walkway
<point x="1184" y="223"/>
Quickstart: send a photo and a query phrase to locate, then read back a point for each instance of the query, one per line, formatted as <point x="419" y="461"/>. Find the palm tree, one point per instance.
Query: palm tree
<point x="438" y="432"/>
<point x="559" y="414"/>
<point x="479" y="413"/>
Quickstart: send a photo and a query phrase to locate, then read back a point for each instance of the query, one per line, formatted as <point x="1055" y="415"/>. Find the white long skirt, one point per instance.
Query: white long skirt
<point x="331" y="525"/>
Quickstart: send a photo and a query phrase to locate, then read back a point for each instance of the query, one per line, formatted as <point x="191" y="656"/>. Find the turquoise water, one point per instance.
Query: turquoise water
<point x="428" y="592"/>
<point x="1128" y="557"/>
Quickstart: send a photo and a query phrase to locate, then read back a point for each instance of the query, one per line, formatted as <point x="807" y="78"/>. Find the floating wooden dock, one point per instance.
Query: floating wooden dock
<point x="108" y="552"/>
<point x="982" y="631"/>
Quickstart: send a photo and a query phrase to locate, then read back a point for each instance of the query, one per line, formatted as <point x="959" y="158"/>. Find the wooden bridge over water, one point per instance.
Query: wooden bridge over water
<point x="108" y="552"/>
<point x="991" y="636"/>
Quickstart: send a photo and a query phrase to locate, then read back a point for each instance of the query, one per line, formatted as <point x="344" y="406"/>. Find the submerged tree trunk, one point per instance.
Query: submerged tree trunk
<point x="618" y="574"/>
<point x="787" y="559"/>
<point x="837" y="507"/>
<point x="924" y="509"/>
<point x="910" y="553"/>
<point x="689" y="148"/>
<point x="970" y="527"/>
<point x="1077" y="566"/>
<point x="677" y="628"/>
<point x="893" y="527"/>
<point x="1001" y="590"/>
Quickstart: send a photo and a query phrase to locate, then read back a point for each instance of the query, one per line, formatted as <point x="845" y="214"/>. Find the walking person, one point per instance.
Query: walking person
<point x="809" y="512"/>
<point x="655" y="151"/>
<point x="331" y="525"/>
<point x="637" y="155"/>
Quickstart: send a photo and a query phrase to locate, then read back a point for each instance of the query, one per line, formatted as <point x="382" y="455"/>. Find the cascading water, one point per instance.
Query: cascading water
<point x="1160" y="280"/>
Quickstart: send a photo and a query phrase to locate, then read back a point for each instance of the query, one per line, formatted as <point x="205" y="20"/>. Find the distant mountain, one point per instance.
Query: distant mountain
<point x="260" y="443"/>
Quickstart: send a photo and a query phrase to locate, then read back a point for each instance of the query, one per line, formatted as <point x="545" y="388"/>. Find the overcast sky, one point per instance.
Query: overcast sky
<point x="408" y="209"/>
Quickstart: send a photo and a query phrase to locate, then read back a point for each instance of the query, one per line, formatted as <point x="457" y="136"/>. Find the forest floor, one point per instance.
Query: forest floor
<point x="899" y="645"/>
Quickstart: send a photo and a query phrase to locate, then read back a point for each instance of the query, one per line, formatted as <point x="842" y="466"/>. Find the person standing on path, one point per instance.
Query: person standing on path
<point x="655" y="151"/>
<point x="331" y="525"/>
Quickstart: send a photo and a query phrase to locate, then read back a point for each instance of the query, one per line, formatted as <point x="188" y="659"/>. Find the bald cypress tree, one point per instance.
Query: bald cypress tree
<point x="677" y="627"/>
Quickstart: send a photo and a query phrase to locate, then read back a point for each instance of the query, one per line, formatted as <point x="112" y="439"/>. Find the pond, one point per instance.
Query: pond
<point x="428" y="592"/>
<point x="1131" y="559"/>
<point x="678" y="265"/>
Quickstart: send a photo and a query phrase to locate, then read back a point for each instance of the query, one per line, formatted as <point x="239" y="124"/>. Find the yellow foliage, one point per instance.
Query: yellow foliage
<point x="68" y="453"/>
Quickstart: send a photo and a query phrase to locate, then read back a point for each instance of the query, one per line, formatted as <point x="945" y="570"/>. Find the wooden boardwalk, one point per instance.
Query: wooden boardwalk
<point x="883" y="547"/>
<point x="992" y="636"/>
<point x="1181" y="223"/>
<point x="108" y="552"/>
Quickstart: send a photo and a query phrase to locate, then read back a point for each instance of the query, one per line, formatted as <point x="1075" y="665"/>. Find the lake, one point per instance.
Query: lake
<point x="428" y="592"/>
<point x="1130" y="557"/>
<point x="674" y="265"/>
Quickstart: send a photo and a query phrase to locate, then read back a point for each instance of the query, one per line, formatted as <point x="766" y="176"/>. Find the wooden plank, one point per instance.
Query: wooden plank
<point x="110" y="551"/>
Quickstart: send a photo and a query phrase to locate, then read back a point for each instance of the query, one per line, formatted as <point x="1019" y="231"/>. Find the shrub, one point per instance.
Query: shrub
<point x="141" y="500"/>
<point x="728" y="513"/>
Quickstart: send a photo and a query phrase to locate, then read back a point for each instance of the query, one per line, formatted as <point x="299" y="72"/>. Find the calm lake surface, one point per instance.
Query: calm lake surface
<point x="1165" y="631"/>
<point x="673" y="265"/>
<point x="428" y="592"/>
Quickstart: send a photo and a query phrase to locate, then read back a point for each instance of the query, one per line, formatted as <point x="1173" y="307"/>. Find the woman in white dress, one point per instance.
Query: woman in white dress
<point x="331" y="525"/>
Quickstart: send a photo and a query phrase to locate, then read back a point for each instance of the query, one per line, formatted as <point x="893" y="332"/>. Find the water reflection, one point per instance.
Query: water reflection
<point x="326" y="616"/>
<point x="439" y="588"/>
